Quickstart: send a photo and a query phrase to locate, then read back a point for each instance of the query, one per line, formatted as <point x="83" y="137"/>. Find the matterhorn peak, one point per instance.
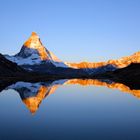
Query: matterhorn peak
<point x="34" y="34"/>
<point x="35" y="44"/>
<point x="33" y="41"/>
<point x="34" y="52"/>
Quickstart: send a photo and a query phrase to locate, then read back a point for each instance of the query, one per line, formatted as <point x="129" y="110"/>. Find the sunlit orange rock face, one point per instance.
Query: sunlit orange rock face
<point x="118" y="86"/>
<point x="34" y="43"/>
<point x="120" y="63"/>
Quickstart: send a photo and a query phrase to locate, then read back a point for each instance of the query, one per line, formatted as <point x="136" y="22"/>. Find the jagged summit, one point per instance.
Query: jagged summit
<point x="33" y="41"/>
<point x="34" y="46"/>
<point x="34" y="52"/>
<point x="34" y="34"/>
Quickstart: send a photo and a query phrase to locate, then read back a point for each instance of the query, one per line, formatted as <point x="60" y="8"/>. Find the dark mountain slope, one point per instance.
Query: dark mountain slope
<point x="129" y="75"/>
<point x="130" y="72"/>
<point x="8" y="68"/>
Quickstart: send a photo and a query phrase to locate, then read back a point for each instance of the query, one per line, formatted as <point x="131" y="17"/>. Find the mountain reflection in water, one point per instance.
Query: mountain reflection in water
<point x="32" y="94"/>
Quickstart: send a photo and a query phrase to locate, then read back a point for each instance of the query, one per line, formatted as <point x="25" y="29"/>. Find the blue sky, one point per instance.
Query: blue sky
<point x="74" y="30"/>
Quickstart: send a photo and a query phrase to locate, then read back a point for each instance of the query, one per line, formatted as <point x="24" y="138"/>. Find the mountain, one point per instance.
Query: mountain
<point x="34" y="53"/>
<point x="35" y="57"/>
<point x="8" y="68"/>
<point x="10" y="72"/>
<point x="129" y="75"/>
<point x="120" y="63"/>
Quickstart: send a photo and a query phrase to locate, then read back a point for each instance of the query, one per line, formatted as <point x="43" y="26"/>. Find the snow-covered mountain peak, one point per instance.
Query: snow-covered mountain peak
<point x="34" y="52"/>
<point x="34" y="43"/>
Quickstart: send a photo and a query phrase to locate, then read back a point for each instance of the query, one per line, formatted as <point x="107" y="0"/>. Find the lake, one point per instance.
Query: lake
<point x="69" y="110"/>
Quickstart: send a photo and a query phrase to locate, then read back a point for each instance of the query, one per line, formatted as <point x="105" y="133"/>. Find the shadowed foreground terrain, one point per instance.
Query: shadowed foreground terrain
<point x="10" y="72"/>
<point x="129" y="75"/>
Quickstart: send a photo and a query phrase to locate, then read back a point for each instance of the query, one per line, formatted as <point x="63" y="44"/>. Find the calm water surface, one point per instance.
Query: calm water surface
<point x="69" y="110"/>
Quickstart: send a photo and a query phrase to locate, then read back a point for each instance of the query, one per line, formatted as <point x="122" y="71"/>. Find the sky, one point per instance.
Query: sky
<point x="74" y="30"/>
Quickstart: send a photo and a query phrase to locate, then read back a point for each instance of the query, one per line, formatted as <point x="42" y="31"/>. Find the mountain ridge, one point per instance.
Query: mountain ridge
<point x="118" y="63"/>
<point x="33" y="56"/>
